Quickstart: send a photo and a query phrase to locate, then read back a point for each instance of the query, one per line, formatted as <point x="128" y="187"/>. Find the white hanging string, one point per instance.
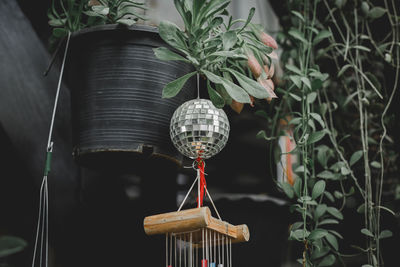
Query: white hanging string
<point x="212" y="202"/>
<point x="198" y="86"/>
<point x="42" y="225"/>
<point x="187" y="194"/>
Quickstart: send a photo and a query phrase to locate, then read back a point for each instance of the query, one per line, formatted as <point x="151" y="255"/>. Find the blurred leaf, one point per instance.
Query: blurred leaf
<point x="288" y="189"/>
<point x="215" y="97"/>
<point x="367" y="232"/>
<point x="318" y="189"/>
<point x="385" y="234"/>
<point x="315" y="137"/>
<point x="327" y="261"/>
<point x="297" y="187"/>
<point x="229" y="39"/>
<point x="376" y="164"/>
<point x="295" y="33"/>
<point x="321" y="35"/>
<point x="355" y="157"/>
<point x="332" y="241"/>
<point x="317" y="234"/>
<point x="10" y="245"/>
<point x="320" y="211"/>
<point x="376" y="12"/>
<point x="335" y="212"/>
<point x="173" y="88"/>
<point x="164" y="53"/>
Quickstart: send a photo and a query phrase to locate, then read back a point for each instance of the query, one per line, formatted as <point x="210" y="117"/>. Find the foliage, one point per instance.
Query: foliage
<point x="72" y="15"/>
<point x="340" y="82"/>
<point x="225" y="52"/>
<point x="10" y="245"/>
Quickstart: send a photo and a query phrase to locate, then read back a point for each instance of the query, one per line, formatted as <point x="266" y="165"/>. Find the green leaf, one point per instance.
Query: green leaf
<point x="338" y="194"/>
<point x="297" y="187"/>
<point x="251" y="86"/>
<point x="294" y="69"/>
<point x="173" y="88"/>
<point x="215" y="97"/>
<point x="311" y="97"/>
<point x="343" y="69"/>
<point x="336" y="234"/>
<point x="331" y="239"/>
<point x="319" y="253"/>
<point x="315" y="137"/>
<point x="344" y="171"/>
<point x="298" y="35"/>
<point x="329" y="221"/>
<point x="329" y="196"/>
<point x="10" y="245"/>
<point x="376" y="12"/>
<point x="385" y="234"/>
<point x="327" y="261"/>
<point x="318" y="118"/>
<point x="367" y="232"/>
<point x="317" y="234"/>
<point x="229" y="39"/>
<point x="355" y="157"/>
<point x="172" y="35"/>
<point x="102" y="10"/>
<point x="60" y="32"/>
<point x="318" y="189"/>
<point x="335" y="212"/>
<point x="295" y="97"/>
<point x="376" y="164"/>
<point x="297" y="14"/>
<point x="361" y="208"/>
<point x="320" y="211"/>
<point x="306" y="81"/>
<point x="164" y="53"/>
<point x="321" y="36"/>
<point x="360" y="47"/>
<point x="296" y="80"/>
<point x="236" y="92"/>
<point x="288" y="189"/>
<point x="326" y="175"/>
<point x="127" y="22"/>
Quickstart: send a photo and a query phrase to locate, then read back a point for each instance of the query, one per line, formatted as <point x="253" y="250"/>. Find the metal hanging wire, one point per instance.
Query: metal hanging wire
<point x="42" y="225"/>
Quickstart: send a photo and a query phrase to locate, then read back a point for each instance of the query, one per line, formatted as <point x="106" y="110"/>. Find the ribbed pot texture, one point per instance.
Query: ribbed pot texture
<point x="116" y="82"/>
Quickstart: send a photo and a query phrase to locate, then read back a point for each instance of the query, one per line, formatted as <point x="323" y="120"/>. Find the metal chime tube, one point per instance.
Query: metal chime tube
<point x="212" y="256"/>
<point x="180" y="250"/>
<point x="175" y="250"/>
<point x="203" y="260"/>
<point x="184" y="250"/>
<point x="170" y="250"/>
<point x="230" y="251"/>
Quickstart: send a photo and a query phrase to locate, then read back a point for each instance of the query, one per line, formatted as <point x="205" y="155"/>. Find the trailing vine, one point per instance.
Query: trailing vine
<point x="341" y="79"/>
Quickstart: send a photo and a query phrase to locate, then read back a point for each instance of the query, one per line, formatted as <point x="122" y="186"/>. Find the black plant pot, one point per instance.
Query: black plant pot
<point x="118" y="114"/>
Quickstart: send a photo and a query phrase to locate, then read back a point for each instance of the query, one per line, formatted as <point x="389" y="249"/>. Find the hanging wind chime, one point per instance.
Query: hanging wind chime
<point x="194" y="238"/>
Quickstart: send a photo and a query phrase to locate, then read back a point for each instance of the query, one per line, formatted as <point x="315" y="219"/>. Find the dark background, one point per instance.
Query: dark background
<point x="96" y="218"/>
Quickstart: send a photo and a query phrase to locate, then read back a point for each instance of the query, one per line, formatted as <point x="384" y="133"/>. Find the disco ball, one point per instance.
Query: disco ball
<point x="199" y="129"/>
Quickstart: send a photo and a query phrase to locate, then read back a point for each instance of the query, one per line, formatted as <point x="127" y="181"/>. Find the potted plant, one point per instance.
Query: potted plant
<point x="233" y="55"/>
<point x="116" y="82"/>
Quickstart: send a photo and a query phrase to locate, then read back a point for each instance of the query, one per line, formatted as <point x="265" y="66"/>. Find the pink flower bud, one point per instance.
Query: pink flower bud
<point x="254" y="65"/>
<point x="268" y="40"/>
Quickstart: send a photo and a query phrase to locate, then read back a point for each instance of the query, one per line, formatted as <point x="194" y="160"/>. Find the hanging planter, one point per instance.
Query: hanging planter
<point x="116" y="85"/>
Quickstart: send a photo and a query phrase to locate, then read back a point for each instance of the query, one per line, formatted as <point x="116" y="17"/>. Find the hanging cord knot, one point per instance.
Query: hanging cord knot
<point x="203" y="184"/>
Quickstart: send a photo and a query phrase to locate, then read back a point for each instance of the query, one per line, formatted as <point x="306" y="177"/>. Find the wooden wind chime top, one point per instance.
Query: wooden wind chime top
<point x="192" y="220"/>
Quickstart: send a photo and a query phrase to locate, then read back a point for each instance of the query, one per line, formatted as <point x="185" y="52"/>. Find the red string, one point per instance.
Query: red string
<point x="203" y="185"/>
